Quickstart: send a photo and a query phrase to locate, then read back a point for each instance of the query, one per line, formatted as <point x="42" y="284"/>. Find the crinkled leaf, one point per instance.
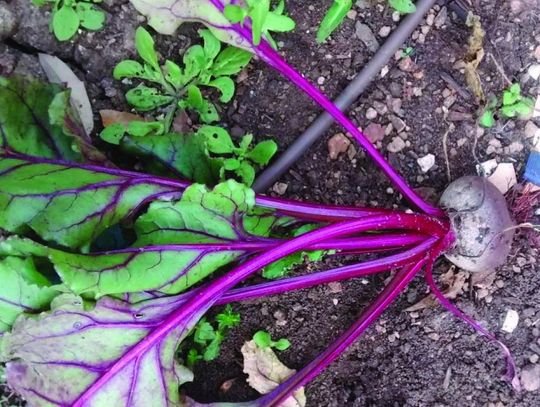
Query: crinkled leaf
<point x="54" y="358"/>
<point x="230" y="206"/>
<point x="266" y="372"/>
<point x="23" y="290"/>
<point x="128" y="69"/>
<point x="36" y="119"/>
<point x="70" y="205"/>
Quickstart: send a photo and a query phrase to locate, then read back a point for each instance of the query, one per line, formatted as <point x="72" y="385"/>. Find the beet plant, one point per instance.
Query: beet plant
<point x="102" y="326"/>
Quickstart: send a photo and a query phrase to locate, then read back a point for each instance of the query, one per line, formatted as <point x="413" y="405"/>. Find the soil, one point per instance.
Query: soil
<point x="427" y="358"/>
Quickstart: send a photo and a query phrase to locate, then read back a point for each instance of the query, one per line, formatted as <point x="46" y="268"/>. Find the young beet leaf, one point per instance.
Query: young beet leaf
<point x="264" y="340"/>
<point x="67" y="204"/>
<point x="36" y="119"/>
<point x="180" y="86"/>
<point x="69" y="15"/>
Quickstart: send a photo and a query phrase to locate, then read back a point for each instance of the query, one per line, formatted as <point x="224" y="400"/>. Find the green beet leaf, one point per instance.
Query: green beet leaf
<point x="57" y="356"/>
<point x="69" y="205"/>
<point x="23" y="290"/>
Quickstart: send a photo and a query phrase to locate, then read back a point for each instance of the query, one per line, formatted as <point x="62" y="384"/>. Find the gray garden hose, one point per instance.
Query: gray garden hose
<point x="346" y="98"/>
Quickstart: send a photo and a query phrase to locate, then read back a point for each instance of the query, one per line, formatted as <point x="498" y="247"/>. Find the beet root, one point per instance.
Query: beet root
<point x="481" y="222"/>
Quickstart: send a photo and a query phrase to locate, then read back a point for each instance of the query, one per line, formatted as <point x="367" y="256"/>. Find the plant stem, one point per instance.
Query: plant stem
<point x="265" y="51"/>
<point x="367" y="317"/>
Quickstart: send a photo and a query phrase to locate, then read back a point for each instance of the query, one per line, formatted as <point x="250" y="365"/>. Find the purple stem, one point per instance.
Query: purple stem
<point x="186" y="316"/>
<point x="511" y="371"/>
<point x="323" y="277"/>
<point x="302" y="210"/>
<point x="267" y="53"/>
<point x="383" y="242"/>
<point x="367" y="317"/>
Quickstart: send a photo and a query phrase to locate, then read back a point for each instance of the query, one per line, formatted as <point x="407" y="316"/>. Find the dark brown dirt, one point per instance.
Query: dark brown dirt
<point x="401" y="361"/>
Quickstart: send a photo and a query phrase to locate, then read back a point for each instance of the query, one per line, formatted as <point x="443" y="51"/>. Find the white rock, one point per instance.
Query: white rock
<point x="510" y="321"/>
<point x="536" y="112"/>
<point x="371" y="114"/>
<point x="486" y="168"/>
<point x="504" y="177"/>
<point x="426" y="162"/>
<point x="534" y="71"/>
<point x="396" y="145"/>
<point x="530" y="377"/>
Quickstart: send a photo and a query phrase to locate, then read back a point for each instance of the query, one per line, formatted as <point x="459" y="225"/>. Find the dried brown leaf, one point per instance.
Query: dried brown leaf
<point x="456" y="283"/>
<point x="109" y="117"/>
<point x="474" y="56"/>
<point x="265" y="372"/>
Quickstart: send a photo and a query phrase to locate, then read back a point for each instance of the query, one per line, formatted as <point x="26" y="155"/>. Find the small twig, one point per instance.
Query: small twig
<point x="454" y="85"/>
<point x="500" y="69"/>
<point x="445" y="149"/>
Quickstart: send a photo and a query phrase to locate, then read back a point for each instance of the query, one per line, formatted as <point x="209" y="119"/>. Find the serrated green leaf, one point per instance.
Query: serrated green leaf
<point x="217" y="139"/>
<point x="204" y="332"/>
<point x="145" y="47"/>
<point x="194" y="99"/>
<point x="194" y="62"/>
<point x="258" y="14"/>
<point x="211" y="46"/>
<point x="277" y="23"/>
<point x="246" y="172"/>
<point x="244" y="144"/>
<point x="174" y="75"/>
<point x="511" y="95"/>
<point x="65" y="23"/>
<point x="139" y="128"/>
<point x="113" y="133"/>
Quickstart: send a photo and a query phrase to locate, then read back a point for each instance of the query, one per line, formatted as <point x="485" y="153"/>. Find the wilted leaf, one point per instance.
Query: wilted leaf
<point x="58" y="72"/>
<point x="455" y="283"/>
<point x="475" y="55"/>
<point x="109" y="117"/>
<point x="37" y="119"/>
<point x="266" y="372"/>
